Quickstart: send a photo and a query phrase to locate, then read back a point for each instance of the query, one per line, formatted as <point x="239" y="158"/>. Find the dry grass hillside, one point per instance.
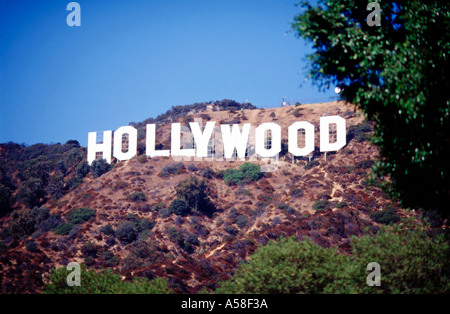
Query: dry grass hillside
<point x="134" y="233"/>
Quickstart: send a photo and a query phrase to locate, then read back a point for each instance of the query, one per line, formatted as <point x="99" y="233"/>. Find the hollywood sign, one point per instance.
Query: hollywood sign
<point x="233" y="138"/>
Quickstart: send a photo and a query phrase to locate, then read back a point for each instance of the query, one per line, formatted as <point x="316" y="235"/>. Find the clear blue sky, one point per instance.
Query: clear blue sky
<point x="134" y="59"/>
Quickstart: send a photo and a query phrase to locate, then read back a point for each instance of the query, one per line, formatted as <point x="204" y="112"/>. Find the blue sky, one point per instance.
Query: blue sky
<point x="134" y="59"/>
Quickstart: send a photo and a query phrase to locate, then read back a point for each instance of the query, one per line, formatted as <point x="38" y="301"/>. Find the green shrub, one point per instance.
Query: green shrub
<point x="286" y="207"/>
<point x="108" y="230"/>
<point x="296" y="112"/>
<point x="63" y="229"/>
<point x="104" y="282"/>
<point x="410" y="260"/>
<point x="179" y="207"/>
<point x="31" y="246"/>
<point x="247" y="172"/>
<point x="387" y="216"/>
<point x="231" y="230"/>
<point x="138" y="197"/>
<point x="126" y="232"/>
<point x="78" y="216"/>
<point x="171" y="169"/>
<point x="241" y="221"/>
<point x="142" y="254"/>
<point x="195" y="193"/>
<point x="296" y="192"/>
<point x="287" y="266"/>
<point x="321" y="205"/>
<point x="100" y="167"/>
<point x="341" y="205"/>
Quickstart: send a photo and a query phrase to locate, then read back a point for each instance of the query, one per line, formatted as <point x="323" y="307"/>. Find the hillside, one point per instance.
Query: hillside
<point x="128" y="224"/>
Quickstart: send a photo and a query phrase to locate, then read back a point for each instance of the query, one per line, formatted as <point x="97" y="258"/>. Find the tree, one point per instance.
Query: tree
<point x="195" y="193"/>
<point x="411" y="262"/>
<point x="99" y="167"/>
<point x="104" y="282"/>
<point x="396" y="73"/>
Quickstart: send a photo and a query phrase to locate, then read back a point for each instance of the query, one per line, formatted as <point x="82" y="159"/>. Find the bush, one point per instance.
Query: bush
<point x="105" y="282"/>
<point x="142" y="254"/>
<point x="387" y="216"/>
<point x="126" y="232"/>
<point x="286" y="266"/>
<point x="247" y="172"/>
<point x="286" y="207"/>
<point x="192" y="168"/>
<point x="360" y="132"/>
<point x="31" y="246"/>
<point x="321" y="205"/>
<point x="109" y="259"/>
<point x="296" y="192"/>
<point x="171" y="169"/>
<point x="195" y="193"/>
<point x="78" y="216"/>
<point x="311" y="164"/>
<point x="296" y="112"/>
<point x="83" y="169"/>
<point x="108" y="230"/>
<point x="179" y="207"/>
<point x="63" y="229"/>
<point x="231" y="230"/>
<point x="138" y="197"/>
<point x="411" y="262"/>
<point x="192" y="239"/>
<point x="99" y="167"/>
<point x="241" y="221"/>
<point x="207" y="173"/>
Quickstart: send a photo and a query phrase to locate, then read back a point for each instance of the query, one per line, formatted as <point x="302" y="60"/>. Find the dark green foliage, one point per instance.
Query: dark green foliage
<point x="341" y="205"/>
<point x="126" y="232"/>
<point x="410" y="260"/>
<point x="99" y="167"/>
<point x="109" y="259"/>
<point x="207" y="173"/>
<point x="287" y="266"/>
<point x="241" y="221"/>
<point x="32" y="246"/>
<point x="83" y="169"/>
<point x="133" y="228"/>
<point x="78" y="216"/>
<point x="195" y="193"/>
<point x="171" y="169"/>
<point x="286" y="207"/>
<point x="138" y="197"/>
<point x="63" y="229"/>
<point x="105" y="282"/>
<point x="321" y="205"/>
<point x="311" y="164"/>
<point x="397" y="74"/>
<point x="387" y="216"/>
<point x="247" y="173"/>
<point x="360" y="132"/>
<point x="296" y="192"/>
<point x="192" y="239"/>
<point x="231" y="230"/>
<point x="32" y="192"/>
<point x="6" y="193"/>
<point x="179" y="207"/>
<point x="40" y="172"/>
<point x="3" y="247"/>
<point x="89" y="250"/>
<point x="108" y="230"/>
<point x="296" y="112"/>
